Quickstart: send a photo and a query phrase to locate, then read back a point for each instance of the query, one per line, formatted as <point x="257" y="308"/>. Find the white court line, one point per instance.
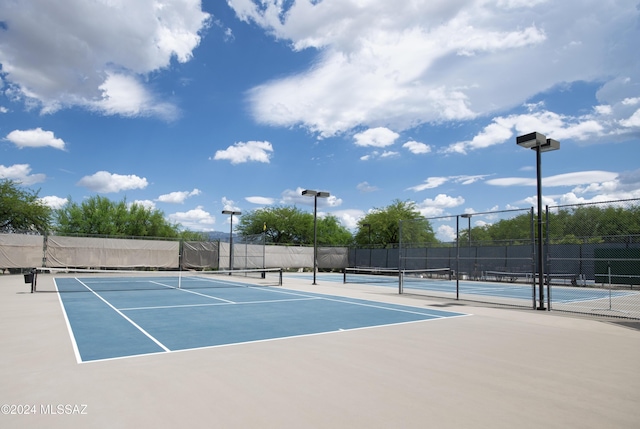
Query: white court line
<point x="303" y="297"/>
<point x="74" y="343"/>
<point x="320" y="296"/>
<point x="166" y="349"/>
<point x="267" y="340"/>
<point x="437" y="316"/>
<point x="195" y="293"/>
<point x="159" y="307"/>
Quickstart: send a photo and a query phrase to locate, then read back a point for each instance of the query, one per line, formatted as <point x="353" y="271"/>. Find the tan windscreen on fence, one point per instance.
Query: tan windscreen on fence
<point x="111" y="252"/>
<point x="333" y="257"/>
<point x="289" y="257"/>
<point x="200" y="254"/>
<point x="20" y="250"/>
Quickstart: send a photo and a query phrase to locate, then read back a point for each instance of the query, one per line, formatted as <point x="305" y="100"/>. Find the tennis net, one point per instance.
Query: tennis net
<point x="370" y="275"/>
<point x="78" y="279"/>
<point x="424" y="277"/>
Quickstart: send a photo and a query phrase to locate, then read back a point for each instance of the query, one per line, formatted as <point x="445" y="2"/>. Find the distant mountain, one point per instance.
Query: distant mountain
<point x="219" y="235"/>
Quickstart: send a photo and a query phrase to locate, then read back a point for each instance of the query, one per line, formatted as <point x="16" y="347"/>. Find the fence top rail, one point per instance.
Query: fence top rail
<point x="598" y="203"/>
<point x="473" y="214"/>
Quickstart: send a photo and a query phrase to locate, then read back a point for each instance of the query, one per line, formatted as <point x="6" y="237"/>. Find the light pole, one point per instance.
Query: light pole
<point x="539" y="143"/>
<point x="468" y="217"/>
<point x="315" y="195"/>
<point x="368" y="225"/>
<point x="231" y="212"/>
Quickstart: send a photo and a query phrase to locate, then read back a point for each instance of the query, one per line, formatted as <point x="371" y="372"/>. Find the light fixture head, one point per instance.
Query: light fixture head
<point x="549" y="145"/>
<point x="319" y="194"/>
<point x="231" y="212"/>
<point x="531" y="140"/>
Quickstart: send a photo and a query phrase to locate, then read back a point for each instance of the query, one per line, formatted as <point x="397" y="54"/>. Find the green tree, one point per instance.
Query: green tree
<point x="479" y="234"/>
<point x="384" y="226"/>
<point x="517" y="228"/>
<point x="281" y="225"/>
<point x="290" y="225"/>
<point x="332" y="233"/>
<point x="21" y="210"/>
<point x="582" y="224"/>
<point x="101" y="216"/>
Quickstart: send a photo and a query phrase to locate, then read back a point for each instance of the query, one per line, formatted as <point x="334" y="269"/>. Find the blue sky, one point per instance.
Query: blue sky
<point x="196" y="107"/>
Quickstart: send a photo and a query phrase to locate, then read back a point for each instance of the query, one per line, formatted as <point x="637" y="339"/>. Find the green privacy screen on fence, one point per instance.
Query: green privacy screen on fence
<point x="617" y="266"/>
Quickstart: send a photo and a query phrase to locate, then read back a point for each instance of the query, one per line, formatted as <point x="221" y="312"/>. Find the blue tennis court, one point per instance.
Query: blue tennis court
<point x="517" y="291"/>
<point x="122" y="317"/>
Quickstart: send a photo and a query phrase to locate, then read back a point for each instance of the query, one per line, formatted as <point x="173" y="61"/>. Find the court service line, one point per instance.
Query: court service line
<point x="436" y="316"/>
<point x="165" y="348"/>
<point x="160" y="307"/>
<point x="320" y="296"/>
<point x="195" y="293"/>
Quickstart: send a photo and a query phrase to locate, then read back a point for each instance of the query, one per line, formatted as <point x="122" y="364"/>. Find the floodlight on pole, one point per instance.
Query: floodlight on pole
<point x="540" y="143"/>
<point x="231" y="213"/>
<point x="315" y="195"/>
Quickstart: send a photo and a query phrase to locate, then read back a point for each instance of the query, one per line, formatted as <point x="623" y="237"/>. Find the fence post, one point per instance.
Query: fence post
<point x="533" y="260"/>
<point x="547" y="269"/>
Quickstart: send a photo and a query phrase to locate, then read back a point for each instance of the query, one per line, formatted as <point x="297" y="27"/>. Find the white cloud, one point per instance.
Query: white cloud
<point x="468" y="180"/>
<point x="124" y="95"/>
<point x="578" y="178"/>
<point x="389" y="154"/>
<point x="401" y="64"/>
<point x="546" y="201"/>
<point x="147" y="204"/>
<point x="566" y="179"/>
<point x="197" y="219"/>
<point x="228" y="204"/>
<point x="446" y="233"/>
<point x="603" y="110"/>
<point x="332" y="201"/>
<point x="366" y="187"/>
<point x="632" y="121"/>
<point x="35" y="138"/>
<point x="553" y="125"/>
<point x="586" y="187"/>
<point x="430" y="183"/>
<point x="376" y="137"/>
<point x="105" y="182"/>
<point x="629" y="180"/>
<point x="348" y="218"/>
<point x="257" y="151"/>
<point x="417" y="148"/>
<point x="178" y="197"/>
<point x="54" y="202"/>
<point x="262" y="201"/>
<point x="101" y="50"/>
<point x="21" y="173"/>
<point x="294" y="197"/>
<point x="437" y="206"/>
<point x="434" y="182"/>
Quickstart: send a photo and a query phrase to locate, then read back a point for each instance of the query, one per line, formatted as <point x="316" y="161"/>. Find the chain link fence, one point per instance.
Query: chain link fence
<point x="594" y="250"/>
<point x="489" y="268"/>
<point x="591" y="258"/>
